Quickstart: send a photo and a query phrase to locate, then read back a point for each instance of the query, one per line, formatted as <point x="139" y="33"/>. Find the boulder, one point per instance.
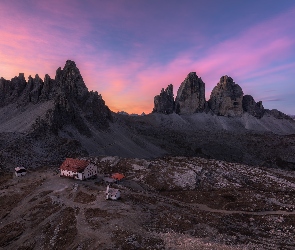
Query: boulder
<point x="190" y="95"/>
<point x="226" y="98"/>
<point x="164" y="103"/>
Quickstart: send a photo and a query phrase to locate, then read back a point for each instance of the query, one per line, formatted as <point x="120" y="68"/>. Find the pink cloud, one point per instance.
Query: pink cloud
<point x="41" y="43"/>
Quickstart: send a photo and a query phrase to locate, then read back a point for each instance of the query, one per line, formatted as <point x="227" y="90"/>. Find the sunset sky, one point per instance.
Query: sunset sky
<point x="128" y="50"/>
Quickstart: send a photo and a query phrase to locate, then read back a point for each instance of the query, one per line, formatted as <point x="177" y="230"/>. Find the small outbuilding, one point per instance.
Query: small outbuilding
<point x="112" y="193"/>
<point x="20" y="171"/>
<point x="78" y="169"/>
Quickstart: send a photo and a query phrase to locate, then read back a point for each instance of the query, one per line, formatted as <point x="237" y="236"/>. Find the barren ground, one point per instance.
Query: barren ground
<point x="167" y="203"/>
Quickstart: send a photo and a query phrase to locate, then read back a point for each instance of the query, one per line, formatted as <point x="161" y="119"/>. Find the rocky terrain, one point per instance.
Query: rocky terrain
<point x="216" y="174"/>
<point x="167" y="203"/>
<point x="42" y="122"/>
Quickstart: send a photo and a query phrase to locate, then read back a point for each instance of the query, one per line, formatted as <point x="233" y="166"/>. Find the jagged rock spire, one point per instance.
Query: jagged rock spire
<point x="70" y="81"/>
<point x="72" y="102"/>
<point x="253" y="108"/>
<point x="190" y="95"/>
<point x="164" y="103"/>
<point x="226" y="98"/>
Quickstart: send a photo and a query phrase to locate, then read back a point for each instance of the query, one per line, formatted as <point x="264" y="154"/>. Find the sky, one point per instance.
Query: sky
<point x="128" y="50"/>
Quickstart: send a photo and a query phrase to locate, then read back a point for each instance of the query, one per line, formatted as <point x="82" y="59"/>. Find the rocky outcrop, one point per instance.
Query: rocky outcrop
<point x="49" y="90"/>
<point x="71" y="82"/>
<point x="33" y="89"/>
<point x="190" y="95"/>
<point x="253" y="108"/>
<point x="95" y="110"/>
<point x="10" y="91"/>
<point x="277" y="114"/>
<point x="226" y="98"/>
<point x="164" y="103"/>
<point x="73" y="103"/>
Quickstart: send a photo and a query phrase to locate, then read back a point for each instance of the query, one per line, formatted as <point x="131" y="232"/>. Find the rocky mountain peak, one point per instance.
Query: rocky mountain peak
<point x="190" y="95"/>
<point x="253" y="108"/>
<point x="71" y="100"/>
<point x="226" y="80"/>
<point x="164" y="103"/>
<point x="70" y="81"/>
<point x="226" y="98"/>
<point x="21" y="76"/>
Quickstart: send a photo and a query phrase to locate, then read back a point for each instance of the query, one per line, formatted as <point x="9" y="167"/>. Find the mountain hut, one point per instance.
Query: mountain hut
<point x="78" y="169"/>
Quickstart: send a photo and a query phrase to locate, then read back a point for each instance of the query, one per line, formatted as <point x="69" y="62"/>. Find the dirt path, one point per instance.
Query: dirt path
<point x="203" y="207"/>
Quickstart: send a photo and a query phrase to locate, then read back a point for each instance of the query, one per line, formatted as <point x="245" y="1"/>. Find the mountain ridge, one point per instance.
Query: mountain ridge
<point x="227" y="99"/>
<point x="67" y="94"/>
<point x="45" y="121"/>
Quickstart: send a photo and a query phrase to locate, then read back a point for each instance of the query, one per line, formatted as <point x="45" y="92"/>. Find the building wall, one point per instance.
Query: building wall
<point x="80" y="176"/>
<point x="20" y="174"/>
<point x="89" y="171"/>
<point x="67" y="173"/>
<point x="115" y="196"/>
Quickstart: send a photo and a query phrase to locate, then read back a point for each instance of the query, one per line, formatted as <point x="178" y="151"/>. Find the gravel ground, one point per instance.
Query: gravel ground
<point x="167" y="203"/>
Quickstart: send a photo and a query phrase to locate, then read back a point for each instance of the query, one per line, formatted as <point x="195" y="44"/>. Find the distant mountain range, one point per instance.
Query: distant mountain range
<point x="227" y="99"/>
<point x="44" y="121"/>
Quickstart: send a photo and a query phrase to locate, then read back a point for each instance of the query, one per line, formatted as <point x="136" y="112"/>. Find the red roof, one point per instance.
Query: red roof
<point x="118" y="176"/>
<point x="74" y="165"/>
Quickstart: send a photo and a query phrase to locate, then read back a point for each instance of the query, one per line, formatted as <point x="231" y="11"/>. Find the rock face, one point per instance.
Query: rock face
<point x="253" y="108"/>
<point x="71" y="82"/>
<point x="73" y="103"/>
<point x="164" y="103"/>
<point x="226" y="98"/>
<point x="10" y="91"/>
<point x="190" y="95"/>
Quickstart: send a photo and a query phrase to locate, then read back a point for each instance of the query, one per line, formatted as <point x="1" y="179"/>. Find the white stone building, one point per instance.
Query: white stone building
<point x="78" y="169"/>
<point x="112" y="193"/>
<point x="20" y="171"/>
